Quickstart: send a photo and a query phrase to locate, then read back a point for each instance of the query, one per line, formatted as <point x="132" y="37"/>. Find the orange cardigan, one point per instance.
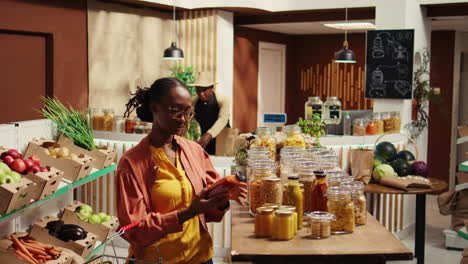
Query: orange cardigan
<point x="136" y="173"/>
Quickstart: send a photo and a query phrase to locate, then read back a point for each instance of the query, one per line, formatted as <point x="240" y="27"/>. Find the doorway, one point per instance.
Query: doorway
<point x="271" y="79"/>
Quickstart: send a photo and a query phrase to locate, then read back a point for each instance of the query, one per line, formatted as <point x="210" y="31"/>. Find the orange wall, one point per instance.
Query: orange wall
<point x="44" y="52"/>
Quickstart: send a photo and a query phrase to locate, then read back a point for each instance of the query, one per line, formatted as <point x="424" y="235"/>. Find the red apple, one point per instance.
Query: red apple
<point x="36" y="160"/>
<point x="15" y="154"/>
<point x="29" y="163"/>
<point x="44" y="169"/>
<point x="34" y="169"/>
<point x="8" y="160"/>
<point x="18" y="165"/>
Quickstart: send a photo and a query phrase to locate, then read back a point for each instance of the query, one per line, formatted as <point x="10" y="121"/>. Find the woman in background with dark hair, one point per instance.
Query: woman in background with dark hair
<point x="161" y="182"/>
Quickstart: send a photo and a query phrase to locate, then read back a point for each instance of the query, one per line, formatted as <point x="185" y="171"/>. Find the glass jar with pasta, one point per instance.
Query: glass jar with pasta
<point x="305" y="171"/>
<point x="396" y="121"/>
<point x="342" y="207"/>
<point x="388" y="122"/>
<point x="359" y="199"/>
<point x="320" y="224"/>
<point x="272" y="190"/>
<point x="378" y="122"/>
<point x="260" y="170"/>
<point x="265" y="139"/>
<point x="293" y="137"/>
<point x="336" y="181"/>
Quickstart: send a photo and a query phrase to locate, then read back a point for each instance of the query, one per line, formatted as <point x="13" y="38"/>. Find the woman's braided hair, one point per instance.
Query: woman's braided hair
<point x="143" y="96"/>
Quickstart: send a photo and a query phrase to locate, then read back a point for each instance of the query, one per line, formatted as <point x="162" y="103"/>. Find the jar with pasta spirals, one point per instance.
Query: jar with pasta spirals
<point x="293" y="137"/>
<point x="359" y="199"/>
<point x="265" y="139"/>
<point x="255" y="189"/>
<point x="341" y="206"/>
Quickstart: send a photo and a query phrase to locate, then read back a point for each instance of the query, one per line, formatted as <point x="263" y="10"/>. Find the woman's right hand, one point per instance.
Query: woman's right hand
<point x="201" y="204"/>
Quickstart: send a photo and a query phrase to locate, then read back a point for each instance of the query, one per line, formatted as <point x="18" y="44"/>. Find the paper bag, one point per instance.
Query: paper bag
<point x="361" y="164"/>
<point x="225" y="141"/>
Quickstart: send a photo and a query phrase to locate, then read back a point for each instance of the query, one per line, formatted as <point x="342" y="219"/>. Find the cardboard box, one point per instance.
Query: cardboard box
<point x="104" y="156"/>
<point x="462" y="177"/>
<point x="72" y="169"/>
<point x="16" y="195"/>
<point x="46" y="182"/>
<point x="7" y="255"/>
<point x="102" y="231"/>
<point x="462" y="131"/>
<point x="81" y="247"/>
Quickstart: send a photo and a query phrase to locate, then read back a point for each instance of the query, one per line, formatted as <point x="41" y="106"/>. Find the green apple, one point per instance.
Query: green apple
<point x="84" y="215"/>
<point x="4" y="169"/>
<point x="16" y="176"/>
<point x="107" y="218"/>
<point x="86" y="207"/>
<point x="101" y="215"/>
<point x="94" y="219"/>
<point x="7" y="179"/>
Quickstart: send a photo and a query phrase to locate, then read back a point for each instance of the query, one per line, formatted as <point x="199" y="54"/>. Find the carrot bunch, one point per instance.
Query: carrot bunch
<point x="32" y="251"/>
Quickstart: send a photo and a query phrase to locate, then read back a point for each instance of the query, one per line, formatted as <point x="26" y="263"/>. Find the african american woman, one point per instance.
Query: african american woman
<point x="161" y="182"/>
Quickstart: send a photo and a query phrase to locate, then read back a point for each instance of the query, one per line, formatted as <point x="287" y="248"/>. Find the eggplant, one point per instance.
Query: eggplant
<point x="66" y="232"/>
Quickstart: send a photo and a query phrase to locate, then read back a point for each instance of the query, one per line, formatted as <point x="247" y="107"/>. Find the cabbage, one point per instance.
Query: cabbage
<point x="420" y="168"/>
<point x="383" y="170"/>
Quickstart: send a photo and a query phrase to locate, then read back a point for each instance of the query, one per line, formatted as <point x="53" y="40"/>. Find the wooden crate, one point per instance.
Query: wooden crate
<point x="81" y="247"/>
<point x="16" y="195"/>
<point x="102" y="231"/>
<point x="72" y="169"/>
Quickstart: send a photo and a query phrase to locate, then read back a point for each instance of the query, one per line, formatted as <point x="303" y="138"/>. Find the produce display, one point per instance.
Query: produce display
<point x="61" y="153"/>
<point x="8" y="176"/>
<point x="85" y="213"/>
<point x="65" y="232"/>
<point x="382" y="170"/>
<point x="16" y="163"/>
<point x="401" y="167"/>
<point x="386" y="150"/>
<point x="31" y="251"/>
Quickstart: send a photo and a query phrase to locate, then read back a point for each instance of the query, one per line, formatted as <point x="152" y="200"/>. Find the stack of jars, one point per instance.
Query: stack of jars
<point x="287" y="155"/>
<point x="305" y="171"/>
<point x="276" y="222"/>
<point x="265" y="139"/>
<point x="359" y="199"/>
<point x="384" y="122"/>
<point x="328" y="159"/>
<point x="293" y="137"/>
<point x="102" y="119"/>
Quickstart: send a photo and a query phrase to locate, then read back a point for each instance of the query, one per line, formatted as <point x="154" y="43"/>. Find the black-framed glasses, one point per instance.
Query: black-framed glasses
<point x="177" y="114"/>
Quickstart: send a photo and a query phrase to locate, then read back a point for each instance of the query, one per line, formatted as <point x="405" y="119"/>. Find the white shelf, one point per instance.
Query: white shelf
<point x="453" y="240"/>
<point x="462" y="186"/>
<point x="462" y="140"/>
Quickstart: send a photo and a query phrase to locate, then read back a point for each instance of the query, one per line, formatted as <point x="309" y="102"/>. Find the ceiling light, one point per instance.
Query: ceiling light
<point x="173" y="52"/>
<point x="351" y="25"/>
<point x="345" y="55"/>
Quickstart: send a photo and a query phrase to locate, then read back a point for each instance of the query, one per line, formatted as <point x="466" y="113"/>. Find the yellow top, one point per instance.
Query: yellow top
<point x="171" y="191"/>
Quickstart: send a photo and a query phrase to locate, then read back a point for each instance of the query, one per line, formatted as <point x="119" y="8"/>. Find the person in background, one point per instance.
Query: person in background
<point x="211" y="111"/>
<point x="161" y="182"/>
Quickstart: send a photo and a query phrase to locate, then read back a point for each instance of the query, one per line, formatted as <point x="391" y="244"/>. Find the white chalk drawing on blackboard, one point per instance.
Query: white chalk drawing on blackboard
<point x="394" y="48"/>
<point x="378" y="82"/>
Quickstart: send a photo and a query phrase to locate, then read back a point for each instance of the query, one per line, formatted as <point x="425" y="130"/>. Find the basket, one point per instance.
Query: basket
<point x="409" y="139"/>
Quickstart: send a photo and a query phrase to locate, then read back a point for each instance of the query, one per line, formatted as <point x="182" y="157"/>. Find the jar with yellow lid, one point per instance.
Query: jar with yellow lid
<point x="264" y="222"/>
<point x="359" y="199"/>
<point x="293" y="137"/>
<point x="272" y="190"/>
<point x="283" y="223"/>
<point x="342" y="207"/>
<point x="396" y="121"/>
<point x="320" y="224"/>
<point x="296" y="198"/>
<point x="265" y="139"/>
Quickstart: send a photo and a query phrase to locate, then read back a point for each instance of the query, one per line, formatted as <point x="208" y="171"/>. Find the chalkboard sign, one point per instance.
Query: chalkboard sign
<point x="389" y="63"/>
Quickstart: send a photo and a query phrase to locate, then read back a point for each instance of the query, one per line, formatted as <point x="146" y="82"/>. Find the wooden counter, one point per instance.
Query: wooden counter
<point x="370" y="243"/>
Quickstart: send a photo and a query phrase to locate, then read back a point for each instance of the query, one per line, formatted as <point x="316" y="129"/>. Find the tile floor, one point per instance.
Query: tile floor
<point x="436" y="253"/>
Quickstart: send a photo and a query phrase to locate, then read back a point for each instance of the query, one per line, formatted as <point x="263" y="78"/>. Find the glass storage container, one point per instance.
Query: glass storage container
<point x="293" y="137"/>
<point x="260" y="171"/>
<point x="313" y="106"/>
<point x="310" y="153"/>
<point x="307" y="179"/>
<point x="108" y="119"/>
<point x="292" y="209"/>
<point x="119" y="124"/>
<point x="130" y="125"/>
<point x="97" y="119"/>
<point x="296" y="198"/>
<point x="332" y="111"/>
<point x="319" y="194"/>
<point x="320" y="224"/>
<point x="272" y="190"/>
<point x="342" y="207"/>
<point x="265" y="139"/>
<point x="264" y="222"/>
<point x="359" y="200"/>
<point x="338" y="180"/>
<point x="283" y="223"/>
<point x="396" y="121"/>
<point x="388" y="122"/>
<point x="371" y="128"/>
<point x="359" y="127"/>
<point x="378" y="122"/>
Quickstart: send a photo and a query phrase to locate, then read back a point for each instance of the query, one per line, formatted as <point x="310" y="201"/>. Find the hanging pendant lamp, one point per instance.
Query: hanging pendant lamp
<point x="173" y="52"/>
<point x="345" y="55"/>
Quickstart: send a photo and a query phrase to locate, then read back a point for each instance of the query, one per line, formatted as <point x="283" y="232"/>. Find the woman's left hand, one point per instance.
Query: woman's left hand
<point x="238" y="193"/>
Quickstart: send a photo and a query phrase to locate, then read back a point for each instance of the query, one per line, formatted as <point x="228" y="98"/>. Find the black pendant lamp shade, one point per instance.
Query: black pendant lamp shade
<point x="173" y="53"/>
<point x="345" y="55"/>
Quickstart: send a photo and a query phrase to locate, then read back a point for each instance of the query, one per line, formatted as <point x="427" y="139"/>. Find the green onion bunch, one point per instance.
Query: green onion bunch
<point x="70" y="122"/>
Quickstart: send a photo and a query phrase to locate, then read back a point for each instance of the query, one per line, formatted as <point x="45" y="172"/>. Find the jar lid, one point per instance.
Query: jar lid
<point x="271" y="179"/>
<point x="353" y="185"/>
<point x="264" y="210"/>
<point x="294" y="177"/>
<point x="283" y="212"/>
<point x="271" y="205"/>
<point x="323" y="216"/>
<point x="338" y="191"/>
<point x="287" y="207"/>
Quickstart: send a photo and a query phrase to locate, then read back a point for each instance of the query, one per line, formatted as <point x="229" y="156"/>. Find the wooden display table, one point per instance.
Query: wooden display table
<point x="370" y="243"/>
<point x="438" y="186"/>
